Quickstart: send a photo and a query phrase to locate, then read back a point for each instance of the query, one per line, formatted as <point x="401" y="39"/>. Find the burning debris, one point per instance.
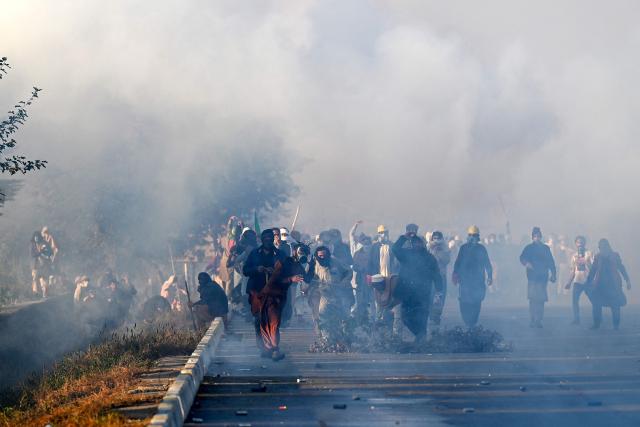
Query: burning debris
<point x="454" y="340"/>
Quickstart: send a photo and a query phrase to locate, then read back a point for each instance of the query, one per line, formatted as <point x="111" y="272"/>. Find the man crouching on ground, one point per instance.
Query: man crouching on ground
<point x="213" y="302"/>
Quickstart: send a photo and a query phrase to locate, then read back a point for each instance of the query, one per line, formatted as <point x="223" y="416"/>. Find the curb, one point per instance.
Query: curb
<point x="175" y="405"/>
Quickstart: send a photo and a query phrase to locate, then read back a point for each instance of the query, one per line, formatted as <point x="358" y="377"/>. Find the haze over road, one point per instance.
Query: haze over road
<point x="561" y="375"/>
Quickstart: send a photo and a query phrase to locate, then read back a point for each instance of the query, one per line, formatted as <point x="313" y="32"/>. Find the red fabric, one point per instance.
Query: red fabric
<point x="270" y="318"/>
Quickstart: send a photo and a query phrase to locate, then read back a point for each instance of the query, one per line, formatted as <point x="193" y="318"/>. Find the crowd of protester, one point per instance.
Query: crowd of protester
<point x="400" y="286"/>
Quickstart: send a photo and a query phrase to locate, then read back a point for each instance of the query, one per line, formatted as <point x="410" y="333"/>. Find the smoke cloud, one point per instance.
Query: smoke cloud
<point x="393" y="112"/>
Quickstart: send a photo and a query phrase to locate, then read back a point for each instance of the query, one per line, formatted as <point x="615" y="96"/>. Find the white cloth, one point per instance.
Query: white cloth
<point x="580" y="266"/>
<point x="385" y="260"/>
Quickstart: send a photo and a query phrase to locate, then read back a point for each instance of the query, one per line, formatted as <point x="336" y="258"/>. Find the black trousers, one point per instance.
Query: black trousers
<point x="536" y="311"/>
<point x="578" y="289"/>
<point x="470" y="312"/>
<point x="597" y="315"/>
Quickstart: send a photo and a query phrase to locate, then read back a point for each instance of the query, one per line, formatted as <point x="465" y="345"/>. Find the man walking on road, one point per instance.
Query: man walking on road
<point x="273" y="299"/>
<point x="581" y="263"/>
<point x="258" y="268"/>
<point x="419" y="273"/>
<point x="473" y="272"/>
<point x="541" y="269"/>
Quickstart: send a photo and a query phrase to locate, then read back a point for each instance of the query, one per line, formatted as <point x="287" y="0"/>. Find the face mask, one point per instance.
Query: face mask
<point x="473" y="238"/>
<point x="303" y="259"/>
<point x="323" y="261"/>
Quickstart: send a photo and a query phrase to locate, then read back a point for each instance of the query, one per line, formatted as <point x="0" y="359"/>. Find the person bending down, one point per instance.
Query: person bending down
<point x="213" y="302"/>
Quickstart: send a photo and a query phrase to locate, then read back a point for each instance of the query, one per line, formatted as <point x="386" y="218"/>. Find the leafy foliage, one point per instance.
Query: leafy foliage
<point x="8" y="127"/>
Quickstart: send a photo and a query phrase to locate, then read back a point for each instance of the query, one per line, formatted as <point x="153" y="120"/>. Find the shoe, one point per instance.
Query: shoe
<point x="277" y="356"/>
<point x="594" y="327"/>
<point x="539" y="325"/>
<point x="575" y="322"/>
<point x="265" y="354"/>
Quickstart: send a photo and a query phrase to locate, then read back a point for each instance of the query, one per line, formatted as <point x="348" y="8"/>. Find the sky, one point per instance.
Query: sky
<point x="395" y="112"/>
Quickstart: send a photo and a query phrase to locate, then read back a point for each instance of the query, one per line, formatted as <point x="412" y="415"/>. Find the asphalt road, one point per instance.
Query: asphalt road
<point x="562" y="375"/>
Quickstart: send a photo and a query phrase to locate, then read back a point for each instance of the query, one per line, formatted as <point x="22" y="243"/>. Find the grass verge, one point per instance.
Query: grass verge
<point x="83" y="388"/>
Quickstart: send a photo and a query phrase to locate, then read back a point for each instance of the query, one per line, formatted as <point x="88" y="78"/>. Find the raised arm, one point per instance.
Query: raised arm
<point x="352" y="238"/>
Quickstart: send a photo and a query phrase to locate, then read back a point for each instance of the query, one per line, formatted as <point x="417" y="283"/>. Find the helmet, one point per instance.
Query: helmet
<point x="473" y="230"/>
<point x="382" y="229"/>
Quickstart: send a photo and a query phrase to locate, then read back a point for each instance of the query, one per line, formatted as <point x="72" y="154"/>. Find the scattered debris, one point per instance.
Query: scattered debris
<point x="468" y="410"/>
<point x="242" y="412"/>
<point x="484" y="382"/>
<point x="355" y="397"/>
<point x="594" y="403"/>
<point x="523" y="388"/>
<point x="369" y="339"/>
<point x="339" y="406"/>
<point x="282" y="407"/>
<point x="301" y="380"/>
<point x="197" y="420"/>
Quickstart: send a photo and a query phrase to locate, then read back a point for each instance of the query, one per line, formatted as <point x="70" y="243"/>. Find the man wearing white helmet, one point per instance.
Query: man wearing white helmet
<point x="473" y="273"/>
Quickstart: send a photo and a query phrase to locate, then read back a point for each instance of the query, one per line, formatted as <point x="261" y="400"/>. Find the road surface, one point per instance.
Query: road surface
<point x="562" y="375"/>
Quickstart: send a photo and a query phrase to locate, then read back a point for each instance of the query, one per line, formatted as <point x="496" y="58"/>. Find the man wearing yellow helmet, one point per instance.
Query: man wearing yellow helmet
<point x="473" y="272"/>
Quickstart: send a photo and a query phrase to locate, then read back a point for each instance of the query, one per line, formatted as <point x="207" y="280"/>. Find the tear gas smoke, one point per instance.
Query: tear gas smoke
<point x="403" y="111"/>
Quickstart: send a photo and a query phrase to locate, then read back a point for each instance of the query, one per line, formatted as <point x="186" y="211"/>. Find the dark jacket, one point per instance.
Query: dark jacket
<point x="604" y="282"/>
<point x="418" y="268"/>
<point x="212" y="295"/>
<point x="471" y="268"/>
<point x="342" y="252"/>
<point x="539" y="256"/>
<point x="280" y="281"/>
<point x="264" y="257"/>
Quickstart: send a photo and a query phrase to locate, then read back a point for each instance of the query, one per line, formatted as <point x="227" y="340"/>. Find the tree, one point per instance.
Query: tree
<point x="8" y="127"/>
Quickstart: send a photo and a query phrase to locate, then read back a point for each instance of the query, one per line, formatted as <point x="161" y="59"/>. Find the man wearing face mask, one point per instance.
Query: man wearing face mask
<point x="287" y="272"/>
<point x="365" y="308"/>
<point x="418" y="274"/>
<point x="581" y="263"/>
<point x="259" y="267"/>
<point x="329" y="294"/>
<point x="541" y="269"/>
<point x="440" y="250"/>
<point x="472" y="271"/>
